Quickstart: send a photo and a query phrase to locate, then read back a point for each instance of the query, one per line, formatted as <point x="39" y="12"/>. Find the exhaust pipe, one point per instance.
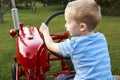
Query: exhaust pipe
<point x="15" y="15"/>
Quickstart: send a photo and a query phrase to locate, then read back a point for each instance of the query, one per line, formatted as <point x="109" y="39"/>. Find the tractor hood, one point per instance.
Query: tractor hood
<point x="29" y="42"/>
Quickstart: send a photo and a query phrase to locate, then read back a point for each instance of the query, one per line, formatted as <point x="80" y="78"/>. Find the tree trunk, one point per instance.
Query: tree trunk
<point x="1" y="18"/>
<point x="34" y="7"/>
<point x="1" y="15"/>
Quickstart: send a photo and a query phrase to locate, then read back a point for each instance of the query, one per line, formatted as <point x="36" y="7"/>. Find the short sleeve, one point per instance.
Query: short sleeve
<point x="66" y="47"/>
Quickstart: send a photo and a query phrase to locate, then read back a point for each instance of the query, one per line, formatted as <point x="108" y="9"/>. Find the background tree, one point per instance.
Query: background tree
<point x="28" y="4"/>
<point x="52" y="2"/>
<point x="110" y="7"/>
<point x="4" y="6"/>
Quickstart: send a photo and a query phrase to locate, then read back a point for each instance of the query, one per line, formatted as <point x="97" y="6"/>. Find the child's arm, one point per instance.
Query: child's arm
<point x="51" y="45"/>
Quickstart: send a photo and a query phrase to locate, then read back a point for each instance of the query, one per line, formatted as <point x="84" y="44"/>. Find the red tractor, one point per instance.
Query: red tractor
<point x="32" y="59"/>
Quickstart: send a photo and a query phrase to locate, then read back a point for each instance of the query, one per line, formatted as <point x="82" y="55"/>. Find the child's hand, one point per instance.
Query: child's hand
<point x="44" y="28"/>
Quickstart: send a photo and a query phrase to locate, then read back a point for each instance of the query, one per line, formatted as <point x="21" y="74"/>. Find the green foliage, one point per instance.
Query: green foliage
<point x="110" y="7"/>
<point x="107" y="3"/>
<point x="4" y="6"/>
<point x="108" y="12"/>
<point x="22" y="1"/>
<point x="51" y="2"/>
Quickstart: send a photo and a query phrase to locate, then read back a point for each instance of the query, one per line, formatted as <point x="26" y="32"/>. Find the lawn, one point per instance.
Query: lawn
<point x="110" y="26"/>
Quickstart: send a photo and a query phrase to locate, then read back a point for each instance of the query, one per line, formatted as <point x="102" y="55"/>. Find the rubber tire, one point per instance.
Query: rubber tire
<point x="13" y="72"/>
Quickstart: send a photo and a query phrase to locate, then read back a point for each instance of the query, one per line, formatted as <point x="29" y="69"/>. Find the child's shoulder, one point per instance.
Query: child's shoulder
<point x="87" y="38"/>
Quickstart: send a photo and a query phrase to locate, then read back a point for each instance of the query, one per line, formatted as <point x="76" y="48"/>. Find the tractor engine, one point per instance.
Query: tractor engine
<point x="31" y="52"/>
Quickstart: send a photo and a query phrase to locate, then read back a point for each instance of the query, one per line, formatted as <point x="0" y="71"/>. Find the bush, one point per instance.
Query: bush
<point x="110" y="7"/>
<point x="52" y="2"/>
<point x="110" y="12"/>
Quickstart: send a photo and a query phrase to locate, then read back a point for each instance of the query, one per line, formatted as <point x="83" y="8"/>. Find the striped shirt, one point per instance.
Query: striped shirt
<point x="89" y="55"/>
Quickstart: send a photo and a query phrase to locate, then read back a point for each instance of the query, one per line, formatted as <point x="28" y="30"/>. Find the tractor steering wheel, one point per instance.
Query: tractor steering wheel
<point x="47" y="22"/>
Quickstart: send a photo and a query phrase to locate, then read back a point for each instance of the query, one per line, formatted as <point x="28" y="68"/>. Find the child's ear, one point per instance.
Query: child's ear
<point x="83" y="26"/>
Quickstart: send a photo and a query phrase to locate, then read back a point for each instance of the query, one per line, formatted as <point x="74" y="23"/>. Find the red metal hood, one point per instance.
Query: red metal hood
<point x="28" y="44"/>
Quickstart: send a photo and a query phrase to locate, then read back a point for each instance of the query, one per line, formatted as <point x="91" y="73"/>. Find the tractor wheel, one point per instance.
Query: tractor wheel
<point x="13" y="72"/>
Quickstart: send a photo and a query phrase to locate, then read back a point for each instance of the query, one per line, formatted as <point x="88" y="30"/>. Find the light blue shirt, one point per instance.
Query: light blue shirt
<point x="89" y="55"/>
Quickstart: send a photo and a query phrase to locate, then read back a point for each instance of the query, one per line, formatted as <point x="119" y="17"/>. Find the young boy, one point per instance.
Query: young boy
<point x="88" y="50"/>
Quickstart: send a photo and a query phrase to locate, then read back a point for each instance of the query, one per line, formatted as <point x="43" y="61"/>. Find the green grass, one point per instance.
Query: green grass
<point x="110" y="26"/>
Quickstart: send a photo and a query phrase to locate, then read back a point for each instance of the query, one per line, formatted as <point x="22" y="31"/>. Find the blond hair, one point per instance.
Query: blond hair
<point x="86" y="11"/>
